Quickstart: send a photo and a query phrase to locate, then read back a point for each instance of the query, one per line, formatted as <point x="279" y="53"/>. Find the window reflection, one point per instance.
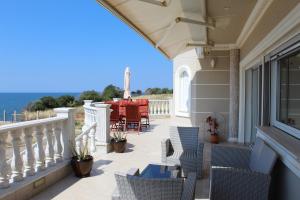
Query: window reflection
<point x="289" y="102"/>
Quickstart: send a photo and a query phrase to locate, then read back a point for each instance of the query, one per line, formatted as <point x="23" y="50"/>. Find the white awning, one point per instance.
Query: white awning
<point x="172" y="26"/>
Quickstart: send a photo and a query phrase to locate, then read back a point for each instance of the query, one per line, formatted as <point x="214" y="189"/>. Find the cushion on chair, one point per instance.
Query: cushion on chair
<point x="262" y="158"/>
<point x="177" y="157"/>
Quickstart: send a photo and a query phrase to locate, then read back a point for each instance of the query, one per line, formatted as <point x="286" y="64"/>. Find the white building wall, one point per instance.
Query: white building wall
<point x="209" y="88"/>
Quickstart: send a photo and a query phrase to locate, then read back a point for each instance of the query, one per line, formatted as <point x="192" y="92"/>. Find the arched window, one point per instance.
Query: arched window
<point x="184" y="92"/>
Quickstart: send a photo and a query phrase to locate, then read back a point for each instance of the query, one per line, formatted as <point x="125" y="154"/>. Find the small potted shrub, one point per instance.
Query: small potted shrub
<point x="82" y="162"/>
<point x="119" y="141"/>
<point x="213" y="129"/>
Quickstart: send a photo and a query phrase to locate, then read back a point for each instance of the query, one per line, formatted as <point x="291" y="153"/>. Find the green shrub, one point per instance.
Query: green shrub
<point x="66" y="101"/>
<point x="158" y="91"/>
<point x="89" y="95"/>
<point x="111" y="92"/>
<point x="49" y="102"/>
<point x="35" y="106"/>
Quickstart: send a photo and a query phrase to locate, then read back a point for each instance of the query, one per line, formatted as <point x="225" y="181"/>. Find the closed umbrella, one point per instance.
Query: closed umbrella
<point x="127" y="83"/>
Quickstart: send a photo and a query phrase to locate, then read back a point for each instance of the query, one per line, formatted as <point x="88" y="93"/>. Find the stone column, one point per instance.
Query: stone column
<point x="102" y="133"/>
<point x="87" y="122"/>
<point x="68" y="130"/>
<point x="234" y="95"/>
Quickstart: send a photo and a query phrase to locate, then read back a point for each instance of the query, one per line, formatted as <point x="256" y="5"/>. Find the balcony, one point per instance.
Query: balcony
<point x="38" y="153"/>
<point x="142" y="150"/>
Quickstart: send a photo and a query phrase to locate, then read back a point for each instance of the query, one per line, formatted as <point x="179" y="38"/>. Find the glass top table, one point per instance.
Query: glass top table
<point x="161" y="171"/>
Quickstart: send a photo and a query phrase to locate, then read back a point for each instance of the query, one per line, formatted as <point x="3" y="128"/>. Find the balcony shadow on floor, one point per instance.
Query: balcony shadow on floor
<point x="129" y="147"/>
<point x="149" y="129"/>
<point x="96" y="171"/>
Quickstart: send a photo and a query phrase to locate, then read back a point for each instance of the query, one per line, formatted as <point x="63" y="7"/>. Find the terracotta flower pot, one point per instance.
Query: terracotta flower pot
<point x="214" y="138"/>
<point x="82" y="168"/>
<point x="120" y="146"/>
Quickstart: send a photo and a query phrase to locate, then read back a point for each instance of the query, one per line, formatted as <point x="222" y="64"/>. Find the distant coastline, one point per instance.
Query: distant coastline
<point x="11" y="102"/>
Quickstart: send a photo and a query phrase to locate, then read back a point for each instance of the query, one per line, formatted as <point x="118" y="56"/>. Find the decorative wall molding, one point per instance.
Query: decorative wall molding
<point x="282" y="28"/>
<point x="253" y="19"/>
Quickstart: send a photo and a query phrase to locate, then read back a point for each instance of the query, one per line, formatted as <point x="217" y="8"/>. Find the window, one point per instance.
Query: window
<point x="285" y="90"/>
<point x="288" y="111"/>
<point x="184" y="92"/>
<point x="252" y="102"/>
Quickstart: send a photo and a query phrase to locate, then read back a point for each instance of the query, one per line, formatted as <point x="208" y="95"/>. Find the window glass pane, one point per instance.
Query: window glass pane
<point x="289" y="89"/>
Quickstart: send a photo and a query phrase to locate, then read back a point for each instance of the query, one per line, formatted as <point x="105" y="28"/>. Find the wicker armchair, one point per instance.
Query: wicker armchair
<point x="241" y="173"/>
<point x="133" y="187"/>
<point x="184" y="149"/>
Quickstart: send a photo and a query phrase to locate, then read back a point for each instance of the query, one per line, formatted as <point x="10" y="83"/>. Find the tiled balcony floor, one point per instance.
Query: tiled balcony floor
<point x="142" y="150"/>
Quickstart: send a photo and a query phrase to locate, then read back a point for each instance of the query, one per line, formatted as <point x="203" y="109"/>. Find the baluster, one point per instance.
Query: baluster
<point x="49" y="148"/>
<point x="92" y="143"/>
<point x="57" y="129"/>
<point x="85" y="140"/>
<point x="162" y="108"/>
<point x="159" y="107"/>
<point x="29" y="153"/>
<point x="151" y="108"/>
<point x="78" y="145"/>
<point x="4" y="167"/>
<point x="17" y="162"/>
<point x="40" y="153"/>
<point x="167" y="108"/>
<point x="154" y="108"/>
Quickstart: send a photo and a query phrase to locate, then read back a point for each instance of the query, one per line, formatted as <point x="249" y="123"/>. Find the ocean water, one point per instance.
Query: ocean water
<point x="11" y="102"/>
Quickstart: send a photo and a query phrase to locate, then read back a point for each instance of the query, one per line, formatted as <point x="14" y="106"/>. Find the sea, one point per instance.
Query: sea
<point x="11" y="102"/>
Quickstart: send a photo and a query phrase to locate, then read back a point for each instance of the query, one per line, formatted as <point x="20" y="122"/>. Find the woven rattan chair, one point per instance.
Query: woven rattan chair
<point x="132" y="187"/>
<point x="241" y="173"/>
<point x="183" y="148"/>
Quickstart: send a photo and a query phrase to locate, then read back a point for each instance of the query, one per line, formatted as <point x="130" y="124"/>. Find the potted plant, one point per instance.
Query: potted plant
<point x="119" y="141"/>
<point x="82" y="161"/>
<point x="213" y="129"/>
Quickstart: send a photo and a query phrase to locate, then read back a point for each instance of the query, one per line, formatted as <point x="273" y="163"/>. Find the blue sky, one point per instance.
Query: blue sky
<point x="71" y="46"/>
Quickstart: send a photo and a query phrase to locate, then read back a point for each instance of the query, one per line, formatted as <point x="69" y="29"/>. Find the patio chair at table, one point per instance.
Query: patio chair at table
<point x="184" y="148"/>
<point x="132" y="117"/>
<point x="241" y="173"/>
<point x="130" y="186"/>
<point x="144" y="111"/>
<point x="114" y="116"/>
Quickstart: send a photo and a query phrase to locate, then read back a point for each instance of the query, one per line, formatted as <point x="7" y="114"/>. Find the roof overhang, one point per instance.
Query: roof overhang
<point x="176" y="26"/>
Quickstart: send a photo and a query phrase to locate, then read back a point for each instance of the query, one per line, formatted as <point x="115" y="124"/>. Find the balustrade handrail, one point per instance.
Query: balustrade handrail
<point x="85" y="132"/>
<point x="39" y="122"/>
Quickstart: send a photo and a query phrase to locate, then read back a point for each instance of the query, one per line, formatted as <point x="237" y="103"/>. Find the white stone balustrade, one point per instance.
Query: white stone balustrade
<point x="29" y="152"/>
<point x="17" y="162"/>
<point x="98" y="115"/>
<point x="87" y="137"/>
<point x="48" y="130"/>
<point x="20" y="158"/>
<point x="160" y="107"/>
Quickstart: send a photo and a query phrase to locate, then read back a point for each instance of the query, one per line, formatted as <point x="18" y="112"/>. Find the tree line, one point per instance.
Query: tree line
<point x="109" y="92"/>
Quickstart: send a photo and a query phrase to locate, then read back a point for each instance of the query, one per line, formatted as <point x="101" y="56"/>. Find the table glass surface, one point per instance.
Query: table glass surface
<point x="160" y="171"/>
